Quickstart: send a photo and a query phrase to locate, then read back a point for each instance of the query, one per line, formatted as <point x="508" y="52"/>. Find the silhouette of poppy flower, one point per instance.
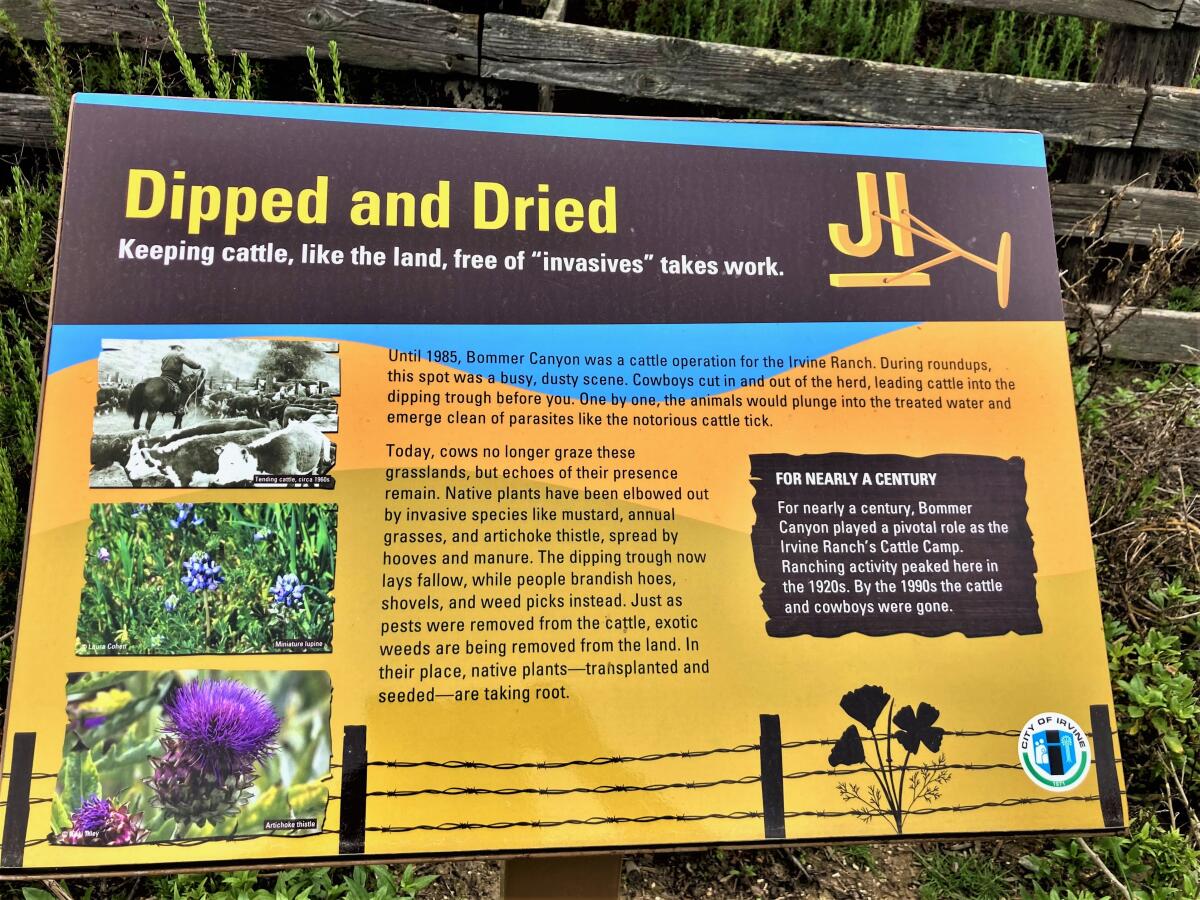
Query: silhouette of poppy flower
<point x="917" y="728"/>
<point x="848" y="751"/>
<point x="865" y="704"/>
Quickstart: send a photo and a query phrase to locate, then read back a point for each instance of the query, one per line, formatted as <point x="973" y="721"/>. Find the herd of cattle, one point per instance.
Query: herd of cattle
<point x="246" y="434"/>
<point x="291" y="403"/>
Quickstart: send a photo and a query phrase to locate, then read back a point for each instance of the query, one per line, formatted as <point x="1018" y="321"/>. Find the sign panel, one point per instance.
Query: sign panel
<point x="415" y="482"/>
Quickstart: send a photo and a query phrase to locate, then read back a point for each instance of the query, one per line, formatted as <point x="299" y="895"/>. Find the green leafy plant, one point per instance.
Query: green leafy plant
<point x="859" y="855"/>
<point x="948" y="875"/>
<point x="223" y="83"/>
<point x="1152" y="863"/>
<point x="19" y="393"/>
<point x="1156" y="690"/>
<point x="897" y="31"/>
<point x="360" y="883"/>
<point x="318" y="81"/>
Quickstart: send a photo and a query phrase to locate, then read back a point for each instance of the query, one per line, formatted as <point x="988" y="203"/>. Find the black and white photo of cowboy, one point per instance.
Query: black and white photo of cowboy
<point x="171" y="392"/>
<point x="214" y="413"/>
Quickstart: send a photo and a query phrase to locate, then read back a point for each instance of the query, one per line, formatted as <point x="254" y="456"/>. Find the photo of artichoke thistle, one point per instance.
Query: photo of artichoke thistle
<point x="214" y="733"/>
<point x="161" y="756"/>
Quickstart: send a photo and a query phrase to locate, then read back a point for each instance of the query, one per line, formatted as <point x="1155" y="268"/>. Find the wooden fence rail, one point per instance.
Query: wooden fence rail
<point x="381" y="34"/>
<point x="135" y="16"/>
<point x="1143" y="13"/>
<point x="1145" y="335"/>
<point x="390" y="34"/>
<point x="1132" y="215"/>
<point x="816" y="87"/>
<point x="25" y="120"/>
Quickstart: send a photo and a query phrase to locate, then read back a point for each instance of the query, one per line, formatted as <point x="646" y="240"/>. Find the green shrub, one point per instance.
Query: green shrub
<point x="896" y="31"/>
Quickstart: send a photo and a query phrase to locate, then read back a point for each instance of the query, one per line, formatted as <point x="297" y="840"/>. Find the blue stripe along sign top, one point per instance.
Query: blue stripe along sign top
<point x="1010" y="148"/>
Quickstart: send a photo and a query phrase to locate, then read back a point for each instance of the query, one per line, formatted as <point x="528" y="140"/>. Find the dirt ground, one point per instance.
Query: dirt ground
<point x="806" y="874"/>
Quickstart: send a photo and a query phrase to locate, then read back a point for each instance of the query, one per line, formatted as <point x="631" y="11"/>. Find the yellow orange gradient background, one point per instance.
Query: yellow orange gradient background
<point x="992" y="683"/>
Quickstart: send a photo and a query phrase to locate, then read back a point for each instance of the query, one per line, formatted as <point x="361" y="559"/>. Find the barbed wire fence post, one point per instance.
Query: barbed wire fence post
<point x="770" y="758"/>
<point x="1107" y="781"/>
<point x="16" y="814"/>
<point x="352" y="822"/>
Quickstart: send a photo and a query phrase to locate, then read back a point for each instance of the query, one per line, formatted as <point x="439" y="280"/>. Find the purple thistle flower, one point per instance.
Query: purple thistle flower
<point x="221" y="727"/>
<point x="100" y="822"/>
<point x="213" y="734"/>
<point x="288" y="590"/>
<point x="103" y="556"/>
<point x="92" y="815"/>
<point x="200" y="573"/>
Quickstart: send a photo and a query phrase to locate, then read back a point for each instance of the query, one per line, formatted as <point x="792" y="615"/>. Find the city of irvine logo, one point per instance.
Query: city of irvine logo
<point x="904" y="226"/>
<point x="1054" y="751"/>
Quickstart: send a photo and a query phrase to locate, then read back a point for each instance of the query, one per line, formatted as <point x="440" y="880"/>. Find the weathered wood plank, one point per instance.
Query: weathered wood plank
<point x="1136" y="333"/>
<point x="556" y="11"/>
<point x="1140" y="58"/>
<point x="1079" y="210"/>
<point x="1189" y="13"/>
<point x="25" y="120"/>
<point x="1136" y="216"/>
<point x="1172" y="119"/>
<point x="382" y="34"/>
<point x="819" y="87"/>
<point x="1143" y="13"/>
<point x="1144" y="59"/>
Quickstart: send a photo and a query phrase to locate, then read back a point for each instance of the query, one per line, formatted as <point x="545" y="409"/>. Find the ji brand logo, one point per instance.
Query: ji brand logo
<point x="904" y="226"/>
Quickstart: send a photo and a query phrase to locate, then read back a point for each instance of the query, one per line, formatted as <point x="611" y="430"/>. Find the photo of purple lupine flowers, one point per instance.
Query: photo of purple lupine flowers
<point x="169" y="579"/>
<point x="150" y="757"/>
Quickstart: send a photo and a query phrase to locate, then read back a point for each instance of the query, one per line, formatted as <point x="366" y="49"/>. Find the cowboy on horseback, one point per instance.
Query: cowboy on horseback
<point x="173" y="365"/>
<point x="169" y="392"/>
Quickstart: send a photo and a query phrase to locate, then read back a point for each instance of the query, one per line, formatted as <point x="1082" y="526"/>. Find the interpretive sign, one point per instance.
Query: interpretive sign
<point x="417" y="483"/>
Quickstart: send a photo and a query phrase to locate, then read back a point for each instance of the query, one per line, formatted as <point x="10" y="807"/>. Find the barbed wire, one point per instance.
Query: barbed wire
<point x="199" y="841"/>
<point x="700" y="817"/>
<point x="649" y="757"/>
<point x="597" y="761"/>
<point x="927" y="767"/>
<point x="471" y="790"/>
<point x="994" y="804"/>
<point x="599" y="789"/>
<point x="594" y="820"/>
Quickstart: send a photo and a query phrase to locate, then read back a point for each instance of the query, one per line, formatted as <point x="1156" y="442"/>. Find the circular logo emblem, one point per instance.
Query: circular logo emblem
<point x="1054" y="751"/>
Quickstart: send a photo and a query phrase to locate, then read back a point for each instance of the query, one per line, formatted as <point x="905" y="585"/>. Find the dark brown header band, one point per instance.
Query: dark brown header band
<point x="686" y="233"/>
